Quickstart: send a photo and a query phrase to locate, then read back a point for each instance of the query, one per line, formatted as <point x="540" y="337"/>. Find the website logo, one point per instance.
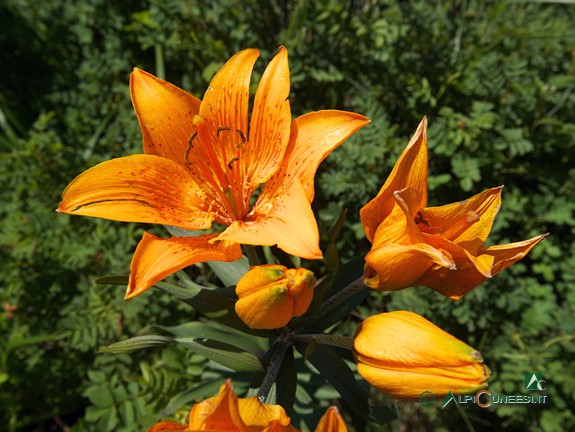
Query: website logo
<point x="534" y="382"/>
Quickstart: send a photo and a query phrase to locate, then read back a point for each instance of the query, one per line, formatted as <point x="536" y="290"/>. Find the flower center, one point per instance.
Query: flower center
<point x="214" y="155"/>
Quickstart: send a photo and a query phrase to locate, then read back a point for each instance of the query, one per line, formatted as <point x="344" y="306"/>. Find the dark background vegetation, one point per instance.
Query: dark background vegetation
<point x="496" y="80"/>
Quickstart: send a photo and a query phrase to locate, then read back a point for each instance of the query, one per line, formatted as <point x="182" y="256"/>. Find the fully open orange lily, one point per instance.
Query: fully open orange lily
<point x="203" y="165"/>
<point x="439" y="247"/>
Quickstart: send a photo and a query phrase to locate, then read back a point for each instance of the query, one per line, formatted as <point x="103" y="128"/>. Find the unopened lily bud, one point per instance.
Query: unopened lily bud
<point x="270" y="295"/>
<point x="403" y="355"/>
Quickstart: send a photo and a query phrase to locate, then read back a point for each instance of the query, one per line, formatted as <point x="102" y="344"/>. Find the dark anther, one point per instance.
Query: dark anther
<point x="190" y="146"/>
<point x="242" y="137"/>
<point x="231" y="162"/>
<point x="419" y="219"/>
<point x="220" y="129"/>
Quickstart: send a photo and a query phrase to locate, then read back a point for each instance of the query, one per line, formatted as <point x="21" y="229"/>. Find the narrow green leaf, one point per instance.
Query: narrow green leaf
<point x="218" y="305"/>
<point x="224" y="354"/>
<point x="136" y="343"/>
<point x="17" y="342"/>
<point x="215" y="331"/>
<point x="199" y="392"/>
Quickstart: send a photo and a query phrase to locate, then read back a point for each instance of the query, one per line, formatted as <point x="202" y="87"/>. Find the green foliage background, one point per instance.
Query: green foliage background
<point x="496" y="80"/>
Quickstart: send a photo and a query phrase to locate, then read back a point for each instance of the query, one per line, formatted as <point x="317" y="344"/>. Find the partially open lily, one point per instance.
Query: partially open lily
<point x="203" y="165"/>
<point x="439" y="247"/>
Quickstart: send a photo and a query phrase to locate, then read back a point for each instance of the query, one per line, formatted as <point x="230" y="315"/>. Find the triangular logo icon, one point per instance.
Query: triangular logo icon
<point x="534" y="382"/>
<point x="448" y="399"/>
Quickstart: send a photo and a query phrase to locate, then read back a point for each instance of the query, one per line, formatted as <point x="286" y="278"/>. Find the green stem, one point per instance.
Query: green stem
<point x="345" y="342"/>
<point x="341" y="296"/>
<point x="273" y="369"/>
<point x="252" y="255"/>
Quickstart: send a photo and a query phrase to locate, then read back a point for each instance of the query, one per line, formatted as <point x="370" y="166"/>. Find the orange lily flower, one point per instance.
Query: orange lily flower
<point x="403" y="355"/>
<point x="438" y="247"/>
<point x="270" y="295"/>
<point x="202" y="165"/>
<point x="227" y="412"/>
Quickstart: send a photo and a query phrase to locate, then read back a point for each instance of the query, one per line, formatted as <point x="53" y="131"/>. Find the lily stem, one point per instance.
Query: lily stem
<point x="252" y="255"/>
<point x="341" y="296"/>
<point x="273" y="369"/>
<point x="345" y="342"/>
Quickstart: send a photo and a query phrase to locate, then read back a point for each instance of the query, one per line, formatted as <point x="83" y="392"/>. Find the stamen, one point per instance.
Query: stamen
<point x="242" y="137"/>
<point x="232" y="161"/>
<point x="222" y="128"/>
<point x="419" y="219"/>
<point x="190" y="146"/>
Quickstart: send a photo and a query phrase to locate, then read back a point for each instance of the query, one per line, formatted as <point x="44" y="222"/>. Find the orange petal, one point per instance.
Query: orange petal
<point x="168" y="426"/>
<point x="332" y="421"/>
<point x="220" y="413"/>
<point x="467" y="223"/>
<point x="399" y="226"/>
<point x="409" y="171"/>
<point x="270" y="123"/>
<point x="258" y="416"/>
<point x="283" y="220"/>
<point x="410" y="341"/>
<point x="410" y="383"/>
<point x="510" y="253"/>
<point x="224" y="112"/>
<point x="470" y="270"/>
<point x="269" y="307"/>
<point x="313" y="137"/>
<point x="139" y="188"/>
<point x="156" y="258"/>
<point x="165" y="114"/>
<point x="393" y="267"/>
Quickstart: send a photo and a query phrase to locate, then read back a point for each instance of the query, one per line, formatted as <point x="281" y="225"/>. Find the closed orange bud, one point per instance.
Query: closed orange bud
<point x="403" y="355"/>
<point x="270" y="295"/>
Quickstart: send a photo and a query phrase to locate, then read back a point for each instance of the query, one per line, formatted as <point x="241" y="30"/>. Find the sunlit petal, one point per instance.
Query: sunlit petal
<point x="165" y="114"/>
<point x="393" y="267"/>
<point x="258" y="415"/>
<point x="470" y="270"/>
<point x="409" y="171"/>
<point x="467" y="223"/>
<point x="139" y="188"/>
<point x="313" y="137"/>
<point x="270" y="124"/>
<point x="284" y="220"/>
<point x="156" y="258"/>
<point x="510" y="253"/>
<point x="220" y="413"/>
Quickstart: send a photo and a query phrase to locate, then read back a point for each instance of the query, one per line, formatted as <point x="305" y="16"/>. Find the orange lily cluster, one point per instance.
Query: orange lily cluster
<point x="202" y="165"/>
<point x="227" y="412"/>
<point x="438" y="247"/>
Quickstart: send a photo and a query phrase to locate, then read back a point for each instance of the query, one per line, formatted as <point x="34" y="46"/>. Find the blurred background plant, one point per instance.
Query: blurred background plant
<point x="496" y="80"/>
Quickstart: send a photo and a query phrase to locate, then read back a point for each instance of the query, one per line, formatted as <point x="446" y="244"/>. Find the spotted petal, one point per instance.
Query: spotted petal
<point x="165" y="113"/>
<point x="139" y="188"/>
<point x="283" y="220"/>
<point x="313" y="136"/>
<point x="156" y="258"/>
